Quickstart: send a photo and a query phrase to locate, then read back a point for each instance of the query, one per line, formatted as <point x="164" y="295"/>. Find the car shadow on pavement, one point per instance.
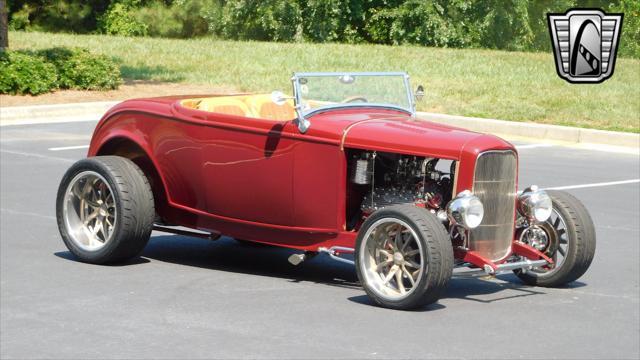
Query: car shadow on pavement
<point x="229" y="255"/>
<point x="67" y="255"/>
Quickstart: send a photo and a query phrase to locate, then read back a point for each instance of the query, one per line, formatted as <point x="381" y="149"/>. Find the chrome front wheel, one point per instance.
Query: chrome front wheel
<point x="391" y="257"/>
<point x="403" y="257"/>
<point x="568" y="237"/>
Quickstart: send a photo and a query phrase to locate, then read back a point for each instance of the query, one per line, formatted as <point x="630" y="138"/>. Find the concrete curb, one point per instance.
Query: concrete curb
<point x="38" y="114"/>
<point x="23" y="115"/>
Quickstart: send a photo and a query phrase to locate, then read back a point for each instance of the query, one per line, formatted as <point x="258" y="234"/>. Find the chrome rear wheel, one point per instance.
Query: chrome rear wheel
<point x="105" y="209"/>
<point x="89" y="211"/>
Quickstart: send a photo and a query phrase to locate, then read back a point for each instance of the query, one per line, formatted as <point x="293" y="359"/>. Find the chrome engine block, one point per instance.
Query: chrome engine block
<point x="382" y="196"/>
<point x="396" y="179"/>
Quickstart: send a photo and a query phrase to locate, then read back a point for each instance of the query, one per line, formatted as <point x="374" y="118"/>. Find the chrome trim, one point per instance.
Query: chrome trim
<point x="359" y="105"/>
<point x="532" y="199"/>
<point x="494" y="184"/>
<point x="335" y="250"/>
<point x="502" y="268"/>
<point x="459" y="206"/>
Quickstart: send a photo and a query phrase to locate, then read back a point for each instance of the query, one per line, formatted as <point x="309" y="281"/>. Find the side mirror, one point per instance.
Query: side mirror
<point x="279" y="98"/>
<point x="419" y="93"/>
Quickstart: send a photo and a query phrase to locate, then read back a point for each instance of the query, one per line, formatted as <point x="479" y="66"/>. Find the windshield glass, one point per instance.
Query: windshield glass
<point x="326" y="90"/>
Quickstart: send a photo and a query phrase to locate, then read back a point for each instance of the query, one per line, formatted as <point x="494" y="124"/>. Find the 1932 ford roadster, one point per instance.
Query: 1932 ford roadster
<point x="342" y="167"/>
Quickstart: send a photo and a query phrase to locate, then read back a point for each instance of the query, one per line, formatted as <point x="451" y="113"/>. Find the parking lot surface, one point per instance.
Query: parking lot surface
<point x="192" y="298"/>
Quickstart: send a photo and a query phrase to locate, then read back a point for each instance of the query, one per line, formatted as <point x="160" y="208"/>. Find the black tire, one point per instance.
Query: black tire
<point x="133" y="199"/>
<point x="581" y="243"/>
<point x="436" y="249"/>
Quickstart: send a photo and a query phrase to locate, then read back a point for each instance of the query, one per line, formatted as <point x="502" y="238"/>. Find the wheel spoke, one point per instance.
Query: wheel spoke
<point x="412" y="252"/>
<point x="90" y="217"/>
<point x="400" y="282"/>
<point x="409" y="276"/>
<point x="96" y="227"/>
<point x="556" y="222"/>
<point x="109" y="200"/>
<point x="104" y="231"/>
<point x="76" y="191"/>
<point x="383" y="264"/>
<point x="562" y="251"/>
<point x="405" y="243"/>
<point x="398" y="238"/>
<point x="91" y="202"/>
<point x="411" y="264"/>
<point x="390" y="275"/>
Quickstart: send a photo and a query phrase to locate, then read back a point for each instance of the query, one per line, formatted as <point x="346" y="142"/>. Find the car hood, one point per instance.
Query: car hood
<point x="414" y="135"/>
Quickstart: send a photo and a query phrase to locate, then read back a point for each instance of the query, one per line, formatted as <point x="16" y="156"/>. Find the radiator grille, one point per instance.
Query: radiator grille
<point x="495" y="185"/>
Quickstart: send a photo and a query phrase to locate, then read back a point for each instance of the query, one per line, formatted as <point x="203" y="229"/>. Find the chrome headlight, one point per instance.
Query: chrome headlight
<point x="535" y="204"/>
<point x="466" y="210"/>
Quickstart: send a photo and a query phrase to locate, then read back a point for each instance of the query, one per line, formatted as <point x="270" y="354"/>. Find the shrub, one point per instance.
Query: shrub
<point x="182" y="19"/>
<point x="333" y="20"/>
<point x="277" y="20"/>
<point x="79" y="69"/>
<point x="28" y="72"/>
<point x="20" y="18"/>
<point x="25" y="73"/>
<point x="416" y="22"/>
<point x="630" y="31"/>
<point x="119" y="20"/>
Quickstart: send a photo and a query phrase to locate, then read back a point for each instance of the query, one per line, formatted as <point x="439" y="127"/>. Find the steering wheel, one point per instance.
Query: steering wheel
<point x="353" y="99"/>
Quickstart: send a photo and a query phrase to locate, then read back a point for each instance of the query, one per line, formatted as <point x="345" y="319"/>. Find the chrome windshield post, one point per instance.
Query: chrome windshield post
<point x="303" y="123"/>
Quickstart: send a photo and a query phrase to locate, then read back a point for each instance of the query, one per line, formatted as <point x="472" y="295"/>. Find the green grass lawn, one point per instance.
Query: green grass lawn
<point x="484" y="83"/>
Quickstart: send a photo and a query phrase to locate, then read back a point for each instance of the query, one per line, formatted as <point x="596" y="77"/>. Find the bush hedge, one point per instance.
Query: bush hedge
<point x="28" y="72"/>
<point x="495" y="24"/>
<point x="23" y="73"/>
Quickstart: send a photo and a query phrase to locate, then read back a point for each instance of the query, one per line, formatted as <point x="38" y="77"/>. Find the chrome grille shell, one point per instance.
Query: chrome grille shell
<point x="495" y="184"/>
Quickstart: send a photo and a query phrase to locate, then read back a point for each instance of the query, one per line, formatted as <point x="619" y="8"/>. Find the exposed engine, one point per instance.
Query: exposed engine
<point x="385" y="179"/>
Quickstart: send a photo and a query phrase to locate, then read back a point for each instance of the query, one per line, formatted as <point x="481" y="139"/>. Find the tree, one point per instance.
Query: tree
<point x="4" y="26"/>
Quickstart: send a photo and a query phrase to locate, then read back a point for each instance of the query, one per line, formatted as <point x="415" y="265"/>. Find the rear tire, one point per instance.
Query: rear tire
<point x="576" y="238"/>
<point x="403" y="257"/>
<point x="105" y="209"/>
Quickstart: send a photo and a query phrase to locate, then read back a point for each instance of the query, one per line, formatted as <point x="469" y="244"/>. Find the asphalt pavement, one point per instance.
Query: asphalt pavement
<point x="193" y="298"/>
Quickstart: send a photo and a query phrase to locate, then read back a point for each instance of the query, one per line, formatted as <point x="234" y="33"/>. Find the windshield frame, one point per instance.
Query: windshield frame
<point x="298" y="98"/>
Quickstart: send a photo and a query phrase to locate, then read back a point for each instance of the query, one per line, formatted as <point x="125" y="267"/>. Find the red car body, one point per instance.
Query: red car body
<point x="264" y="181"/>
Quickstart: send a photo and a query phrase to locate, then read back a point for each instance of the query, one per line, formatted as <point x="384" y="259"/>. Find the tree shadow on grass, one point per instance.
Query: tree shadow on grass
<point x="153" y="73"/>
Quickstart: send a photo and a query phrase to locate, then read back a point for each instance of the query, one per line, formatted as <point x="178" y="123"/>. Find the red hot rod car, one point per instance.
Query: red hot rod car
<point x="342" y="167"/>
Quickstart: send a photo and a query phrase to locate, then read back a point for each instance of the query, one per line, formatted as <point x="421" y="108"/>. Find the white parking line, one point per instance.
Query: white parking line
<point x="532" y="146"/>
<point x="21" y="153"/>
<point x="611" y="183"/>
<point x="69" y="147"/>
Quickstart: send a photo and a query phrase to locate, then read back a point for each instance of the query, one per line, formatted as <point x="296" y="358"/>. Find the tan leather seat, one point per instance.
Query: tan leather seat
<point x="255" y="106"/>
<point x="265" y="108"/>
<point x="225" y="105"/>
